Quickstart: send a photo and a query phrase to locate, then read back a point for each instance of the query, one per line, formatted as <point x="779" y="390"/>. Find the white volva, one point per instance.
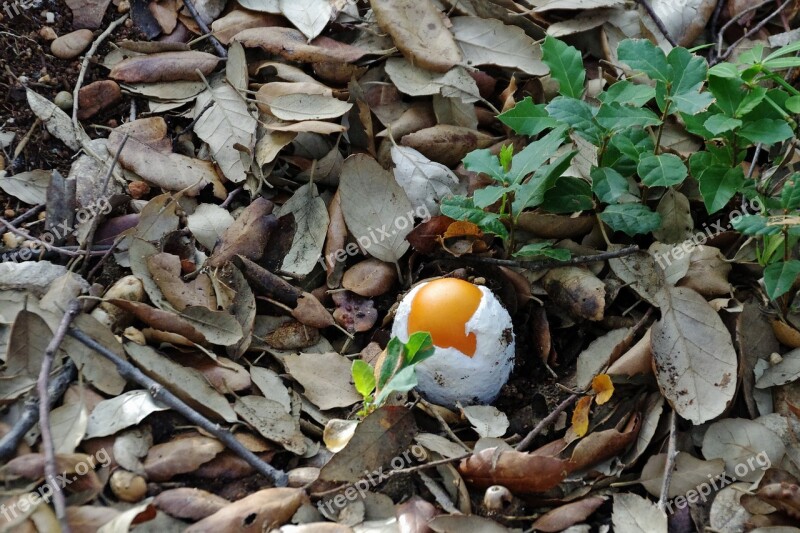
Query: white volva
<point x="450" y="376"/>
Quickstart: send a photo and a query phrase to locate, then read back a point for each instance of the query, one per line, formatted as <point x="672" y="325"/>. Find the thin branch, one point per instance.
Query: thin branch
<point x="752" y="31"/>
<point x="158" y="392"/>
<point x="30" y="412"/>
<point x="659" y="23"/>
<point x="64" y="250"/>
<point x="538" y="264"/>
<point x="204" y="28"/>
<point x="73" y="308"/>
<point x="445" y="426"/>
<point x="669" y="465"/>
<point x="30" y="213"/>
<point x="85" y="65"/>
<point x="546" y="421"/>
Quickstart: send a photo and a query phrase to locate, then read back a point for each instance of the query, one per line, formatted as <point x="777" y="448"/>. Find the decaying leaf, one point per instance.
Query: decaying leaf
<point x="328" y="389"/>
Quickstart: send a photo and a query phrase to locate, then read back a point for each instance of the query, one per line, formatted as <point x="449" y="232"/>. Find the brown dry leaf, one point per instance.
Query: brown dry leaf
<point x="125" y="410"/>
<point x="676" y="218"/>
<point x="87" y="13"/>
<point x="166" y="271"/>
<point x="189" y="503"/>
<point x="490" y="42"/>
<point x="292" y="335"/>
<point x="293" y="46"/>
<point x="180" y="456"/>
<point x="696" y="364"/>
<point x="164" y="66"/>
<point x="269" y="91"/>
<point x="447" y="144"/>
<point x="578" y="290"/>
<point x="310" y="217"/>
<point x="186" y="383"/>
<point x="223" y="374"/>
<point x="419" y="32"/>
<point x="521" y="473"/>
<point x="603" y="388"/>
<point x="550" y="226"/>
<point x="634" y="514"/>
<point x="599" y="446"/>
<point x="354" y="313"/>
<point x="568" y="515"/>
<point x="272" y="421"/>
<point x="371" y="277"/>
<point x="260" y="511"/>
<point x="335" y="240"/>
<point x="426" y="237"/>
<point x="86" y="518"/>
<point x="27" y="343"/>
<point x="454" y="523"/>
<point x="684" y="20"/>
<point x="248" y="235"/>
<point x="224" y="28"/>
<point x="383" y="435"/>
<point x="739" y="441"/>
<point x="599" y="354"/>
<point x="689" y="473"/>
<point x="640" y="273"/>
<point x="329" y="389"/>
<point x="166" y="14"/>
<point x="708" y="272"/>
<point x="755" y="340"/>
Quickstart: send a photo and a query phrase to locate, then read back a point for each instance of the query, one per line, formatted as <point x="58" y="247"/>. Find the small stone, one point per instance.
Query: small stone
<point x="47" y="33"/>
<point x="124" y="6"/>
<point x="138" y="189"/>
<point x="72" y="44"/>
<point x="64" y="100"/>
<point x="50" y="17"/>
<point x="97" y="96"/>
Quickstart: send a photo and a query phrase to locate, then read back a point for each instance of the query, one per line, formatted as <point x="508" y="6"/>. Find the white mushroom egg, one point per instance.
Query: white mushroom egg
<point x="472" y="335"/>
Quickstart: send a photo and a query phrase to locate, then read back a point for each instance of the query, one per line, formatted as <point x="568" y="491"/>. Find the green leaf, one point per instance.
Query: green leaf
<point x="689" y="74"/>
<point x="488" y="195"/>
<point x="403" y="381"/>
<point x="754" y="225"/>
<point x="576" y="114"/>
<point x="784" y="51"/>
<point x="751" y="99"/>
<point x="530" y="158"/>
<point x="779" y="277"/>
<point x="662" y="170"/>
<point x="793" y="104"/>
<point x="616" y="117"/>
<point x="461" y="208"/>
<point x="782" y="63"/>
<point x="485" y="162"/>
<point x="631" y="219"/>
<point x="724" y="70"/>
<point x="718" y="185"/>
<point x="569" y="195"/>
<point x="531" y="193"/>
<point x="766" y="131"/>
<point x="566" y="66"/>
<point x="527" y="118"/>
<point x="394" y="350"/>
<point x="627" y="93"/>
<point x="728" y="92"/>
<point x="633" y="143"/>
<point x="543" y="249"/>
<point x="363" y="377"/>
<point x="419" y="347"/>
<point x="720" y="123"/>
<point x="790" y="194"/>
<point x="642" y="55"/>
<point x="506" y="153"/>
<point x="608" y="184"/>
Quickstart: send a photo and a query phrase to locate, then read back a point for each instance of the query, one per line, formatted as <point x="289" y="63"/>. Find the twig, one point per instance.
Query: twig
<point x="30" y="213"/>
<point x="714" y="24"/>
<point x="105" y="257"/>
<point x="231" y="196"/>
<point x="445" y="426"/>
<point x="85" y="65"/>
<point x="752" y="31"/>
<point x="546" y="421"/>
<point x="204" y="28"/>
<point x="538" y="264"/>
<point x="65" y="250"/>
<point x="733" y="20"/>
<point x="158" y="392"/>
<point x="439" y="493"/>
<point x="73" y="308"/>
<point x="30" y="412"/>
<point x="669" y="465"/>
<point x="653" y="15"/>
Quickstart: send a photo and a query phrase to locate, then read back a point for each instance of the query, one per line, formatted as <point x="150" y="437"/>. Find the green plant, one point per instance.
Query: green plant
<point x="732" y="107"/>
<point x="396" y="374"/>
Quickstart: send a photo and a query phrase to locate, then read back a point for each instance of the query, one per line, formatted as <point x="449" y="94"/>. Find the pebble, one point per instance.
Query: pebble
<point x="64" y="100"/>
<point x="50" y="17"/>
<point x="47" y="33"/>
<point x="97" y="96"/>
<point x="72" y="44"/>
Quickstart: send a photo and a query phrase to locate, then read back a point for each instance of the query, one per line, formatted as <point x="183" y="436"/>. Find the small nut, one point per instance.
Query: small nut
<point x="497" y="499"/>
<point x="127" y="486"/>
<point x="64" y="100"/>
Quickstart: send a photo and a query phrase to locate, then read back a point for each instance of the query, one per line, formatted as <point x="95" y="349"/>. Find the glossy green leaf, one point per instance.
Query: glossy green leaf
<point x="718" y="185"/>
<point x="531" y="193"/>
<point x="751" y="99"/>
<point x="793" y="104"/>
<point x="543" y="249"/>
<point x="488" y="195"/>
<point x="533" y="156"/>
<point x="576" y="114"/>
<point x="566" y="66"/>
<point x="720" y="123"/>
<point x="689" y="73"/>
<point x="608" y="184"/>
<point x="569" y="195"/>
<point x="728" y="93"/>
<point x="485" y="162"/>
<point x="766" y="131"/>
<point x="403" y="381"/>
<point x="627" y="93"/>
<point x="461" y="208"/>
<point x="724" y="70"/>
<point x="754" y="225"/>
<point x="363" y="377"/>
<point x="790" y="194"/>
<point x="631" y="219"/>
<point x="419" y="347"/>
<point x="662" y="170"/>
<point x="779" y="277"/>
<point x="394" y="351"/>
<point x="615" y="117"/>
<point x="644" y="56"/>
<point x="527" y="118"/>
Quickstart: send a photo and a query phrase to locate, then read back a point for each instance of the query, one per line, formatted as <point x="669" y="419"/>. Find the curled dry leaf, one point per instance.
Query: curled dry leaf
<point x="224" y="28"/>
<point x="166" y="271"/>
<point x="308" y="16"/>
<point x="602" y="351"/>
<point x="371" y="277"/>
<point x="415" y="81"/>
<point x="189" y="503"/>
<point x="521" y="473"/>
<point x="335" y="240"/>
<point x="708" y="272"/>
<point x="293" y="46"/>
<point x="164" y="66"/>
<point x="272" y="421"/>
<point x="419" y="32"/>
<point x="696" y="364"/>
<point x="328" y="389"/>
<point x="180" y="456"/>
<point x="490" y="42"/>
<point x="578" y="290"/>
<point x="640" y="272"/>
<point x="311" y="225"/>
<point x="568" y="514"/>
<point x="354" y="313"/>
<point x="261" y="511"/>
<point x="123" y="411"/>
<point x="447" y="144"/>
<point x="248" y="235"/>
<point x="425" y="182"/>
